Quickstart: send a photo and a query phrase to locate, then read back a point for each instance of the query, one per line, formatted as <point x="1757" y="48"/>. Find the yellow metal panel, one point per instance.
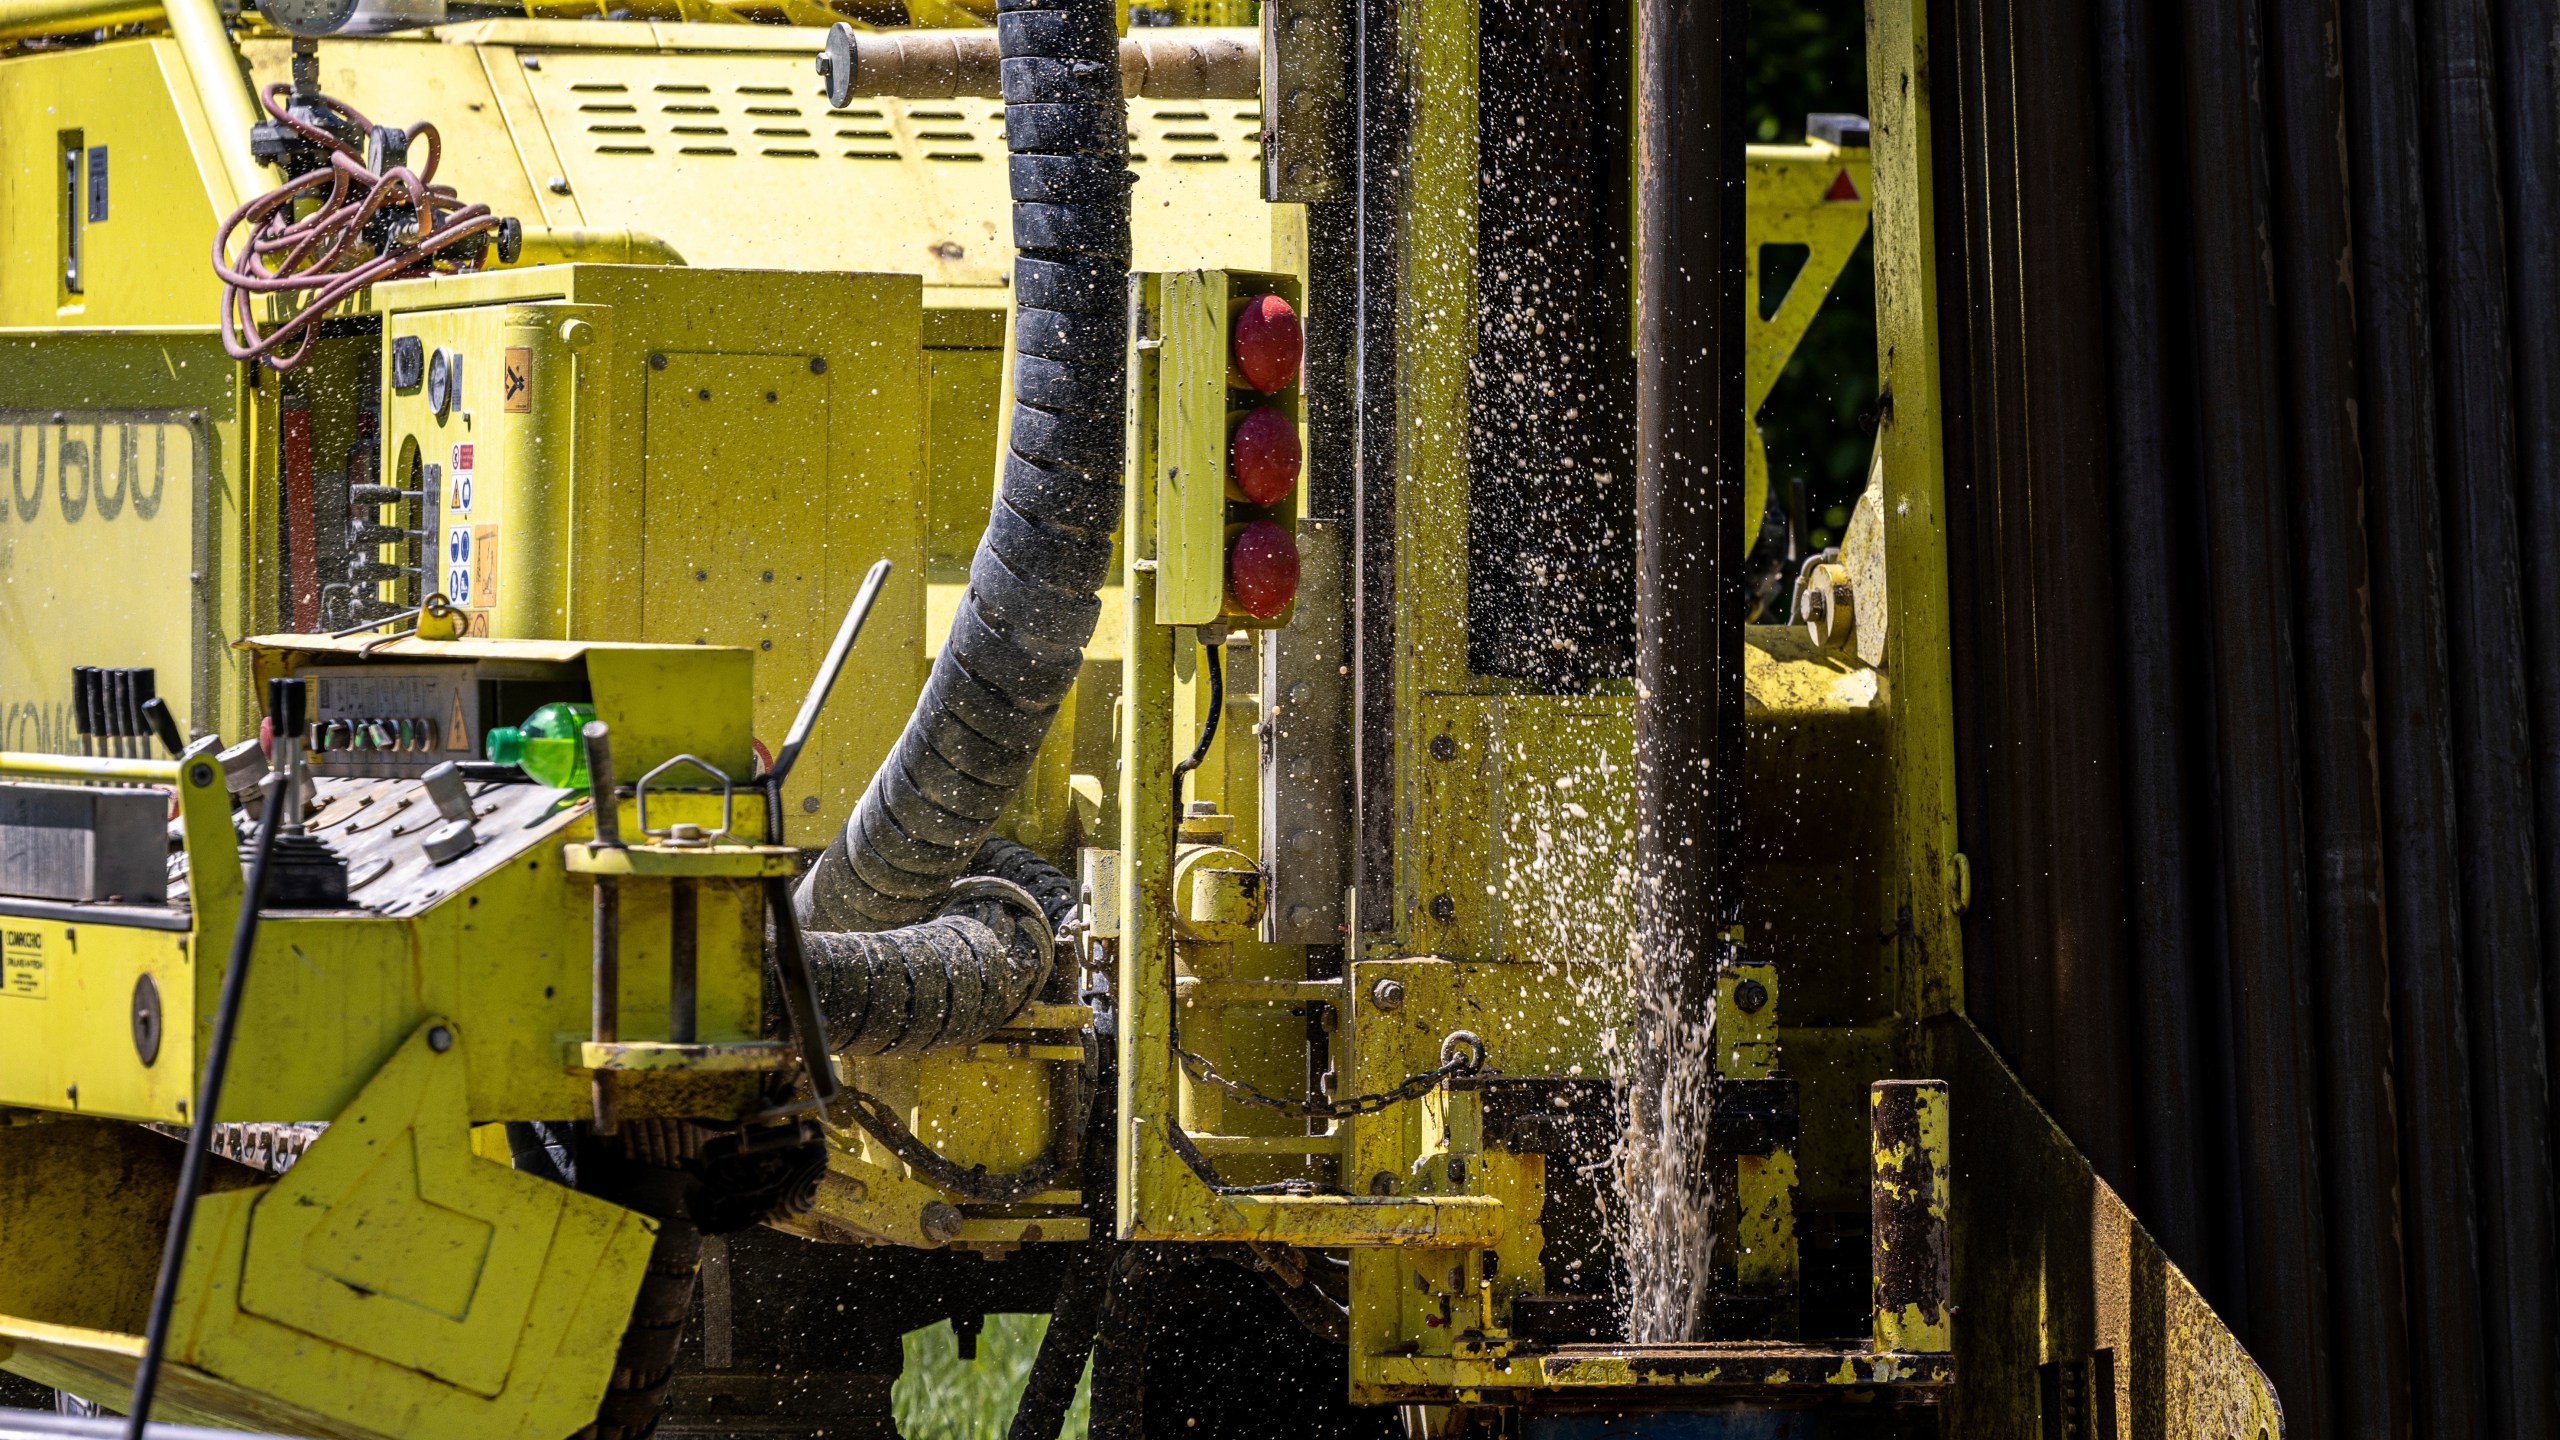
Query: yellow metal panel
<point x="809" y="487"/>
<point x="390" y="1238"/>
<point x="145" y="263"/>
<point x="139" y="479"/>
<point x="1815" y="195"/>
<point x="73" y="985"/>
<point x="1188" y="468"/>
<point x="1922" y="716"/>
<point x="516" y="1288"/>
<point x="503" y="454"/>
<point x="960" y="460"/>
<point x="359" y="1240"/>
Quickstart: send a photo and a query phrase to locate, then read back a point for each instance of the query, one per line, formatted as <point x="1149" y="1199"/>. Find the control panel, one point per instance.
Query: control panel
<point x="403" y="720"/>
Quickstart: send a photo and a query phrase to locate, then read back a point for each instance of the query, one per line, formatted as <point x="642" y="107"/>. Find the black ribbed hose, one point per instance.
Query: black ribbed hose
<point x="1018" y="638"/>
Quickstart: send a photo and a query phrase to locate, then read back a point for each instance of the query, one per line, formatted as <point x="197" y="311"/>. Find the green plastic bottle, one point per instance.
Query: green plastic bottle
<point x="547" y="745"/>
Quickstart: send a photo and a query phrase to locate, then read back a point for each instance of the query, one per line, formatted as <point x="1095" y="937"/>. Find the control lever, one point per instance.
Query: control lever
<point x="790" y="960"/>
<point x="828" y="670"/>
<point x="84" y="705"/>
<point x="164" y="725"/>
<point x="455" y="838"/>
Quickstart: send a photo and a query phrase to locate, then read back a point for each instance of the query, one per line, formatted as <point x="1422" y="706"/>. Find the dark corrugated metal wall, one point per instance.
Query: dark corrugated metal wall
<point x="2251" y="334"/>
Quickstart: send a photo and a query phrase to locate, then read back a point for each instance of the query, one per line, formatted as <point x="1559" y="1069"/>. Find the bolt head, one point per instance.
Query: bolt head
<point x="940" y="1221"/>
<point x="1387" y="994"/>
<point x="440" y="1039"/>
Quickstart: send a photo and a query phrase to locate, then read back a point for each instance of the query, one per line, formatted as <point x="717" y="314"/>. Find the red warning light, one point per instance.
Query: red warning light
<point x="1842" y="188"/>
<point x="1263" y="460"/>
<point x="1262" y="569"/>
<point x="1267" y="339"/>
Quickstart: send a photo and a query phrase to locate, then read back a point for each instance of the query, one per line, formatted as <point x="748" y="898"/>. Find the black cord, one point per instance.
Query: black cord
<point x="1208" y="730"/>
<point x="226" y="1020"/>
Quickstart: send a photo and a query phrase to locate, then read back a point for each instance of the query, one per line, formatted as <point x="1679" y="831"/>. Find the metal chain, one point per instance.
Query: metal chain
<point x="1461" y="1054"/>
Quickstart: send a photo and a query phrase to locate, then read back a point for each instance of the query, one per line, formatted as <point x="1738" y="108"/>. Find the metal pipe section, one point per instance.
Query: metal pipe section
<point x="222" y="87"/>
<point x="2167" y="1012"/>
<point x="20" y="19"/>
<point x="2430" y="1036"/>
<point x="1912" y="1260"/>
<point x="2242" y="454"/>
<point x="1176" y="63"/>
<point x="2341" y="785"/>
<point x="565" y="244"/>
<point x="2492" y="750"/>
<point x="44" y="1425"/>
<point x="1689" y="546"/>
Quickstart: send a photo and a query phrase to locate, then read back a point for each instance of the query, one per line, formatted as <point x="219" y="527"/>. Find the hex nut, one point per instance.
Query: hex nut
<point x="1387" y="994"/>
<point x="940" y="1221"/>
<point x="450" y="841"/>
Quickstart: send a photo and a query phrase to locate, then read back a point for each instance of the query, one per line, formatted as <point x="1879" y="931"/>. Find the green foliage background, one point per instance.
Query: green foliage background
<point x="939" y="1396"/>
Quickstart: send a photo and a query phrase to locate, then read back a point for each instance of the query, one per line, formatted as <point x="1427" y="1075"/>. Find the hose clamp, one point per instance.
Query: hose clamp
<point x="992" y="887"/>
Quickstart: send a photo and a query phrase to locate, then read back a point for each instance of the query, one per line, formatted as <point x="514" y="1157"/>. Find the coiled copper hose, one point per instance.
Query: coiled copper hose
<point x="324" y="252"/>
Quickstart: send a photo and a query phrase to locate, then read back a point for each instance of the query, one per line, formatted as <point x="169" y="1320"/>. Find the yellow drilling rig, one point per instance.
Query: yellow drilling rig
<point x="744" y="675"/>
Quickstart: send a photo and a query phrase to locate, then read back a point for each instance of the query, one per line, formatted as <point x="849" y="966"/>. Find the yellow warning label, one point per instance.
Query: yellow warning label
<point x="457" y="731"/>
<point x="484" y="568"/>
<point x="516" y="379"/>
<point x="22" y="968"/>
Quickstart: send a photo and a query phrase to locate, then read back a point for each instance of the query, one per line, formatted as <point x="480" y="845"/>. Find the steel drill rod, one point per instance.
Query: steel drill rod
<point x="1689" y="593"/>
<point x="2341" y="795"/>
<point x="2492" y="748"/>
<point x="2431" y="1047"/>
<point x="2241" y="450"/>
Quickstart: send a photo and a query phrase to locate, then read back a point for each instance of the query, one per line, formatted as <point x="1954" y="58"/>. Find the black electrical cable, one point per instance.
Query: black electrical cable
<point x="284" y="701"/>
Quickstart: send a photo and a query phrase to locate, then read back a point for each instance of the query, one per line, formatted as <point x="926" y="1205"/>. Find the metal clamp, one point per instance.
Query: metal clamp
<point x="687" y="834"/>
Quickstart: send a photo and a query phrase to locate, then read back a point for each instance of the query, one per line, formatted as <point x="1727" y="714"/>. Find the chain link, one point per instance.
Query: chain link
<point x="1461" y="1054"/>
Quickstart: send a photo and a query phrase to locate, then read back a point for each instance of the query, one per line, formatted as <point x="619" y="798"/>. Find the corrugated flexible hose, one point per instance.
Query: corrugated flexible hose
<point x="1018" y="638"/>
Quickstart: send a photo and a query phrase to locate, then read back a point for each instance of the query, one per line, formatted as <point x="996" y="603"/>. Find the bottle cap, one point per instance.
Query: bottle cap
<point x="505" y="745"/>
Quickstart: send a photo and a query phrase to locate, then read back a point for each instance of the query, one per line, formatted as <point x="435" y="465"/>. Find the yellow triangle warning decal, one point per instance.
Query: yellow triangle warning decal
<point x="457" y="731"/>
<point x="1842" y="188"/>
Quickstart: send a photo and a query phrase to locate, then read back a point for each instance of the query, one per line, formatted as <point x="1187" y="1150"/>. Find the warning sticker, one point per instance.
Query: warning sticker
<point x="515" y="378"/>
<point x="457" y="564"/>
<point x="484" y="567"/>
<point x="22" y="967"/>
<point x="460" y="489"/>
<point x="457" y="730"/>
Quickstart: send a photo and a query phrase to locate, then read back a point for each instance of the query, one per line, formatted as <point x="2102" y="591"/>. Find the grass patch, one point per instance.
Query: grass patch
<point x="939" y="1396"/>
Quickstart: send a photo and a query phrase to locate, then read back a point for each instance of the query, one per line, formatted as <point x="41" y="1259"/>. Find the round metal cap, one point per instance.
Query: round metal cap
<point x="450" y="841"/>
